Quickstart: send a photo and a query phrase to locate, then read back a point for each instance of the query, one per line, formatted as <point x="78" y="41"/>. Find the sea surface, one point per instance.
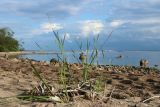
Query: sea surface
<point x="108" y="57"/>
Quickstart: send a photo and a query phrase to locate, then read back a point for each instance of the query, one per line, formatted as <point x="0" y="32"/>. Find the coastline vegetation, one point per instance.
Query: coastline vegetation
<point x="7" y="41"/>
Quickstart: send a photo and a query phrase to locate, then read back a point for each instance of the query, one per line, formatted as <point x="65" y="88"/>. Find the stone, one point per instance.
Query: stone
<point x="120" y="95"/>
<point x="109" y="81"/>
<point x="54" y="61"/>
<point x="126" y="82"/>
<point x="50" y="105"/>
<point x="6" y="56"/>
<point x="134" y="78"/>
<point x="150" y="80"/>
<point x="46" y="63"/>
<point x="136" y="99"/>
<point x="143" y="105"/>
<point x="33" y="62"/>
<point x="75" y="67"/>
<point x="15" y="60"/>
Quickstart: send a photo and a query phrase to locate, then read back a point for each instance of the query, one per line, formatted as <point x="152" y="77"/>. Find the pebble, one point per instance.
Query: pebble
<point x="126" y="81"/>
<point x="120" y="95"/>
<point x="134" y="78"/>
<point x="50" y="105"/>
<point x="142" y="105"/>
<point x="43" y="105"/>
<point x="135" y="99"/>
<point x="15" y="60"/>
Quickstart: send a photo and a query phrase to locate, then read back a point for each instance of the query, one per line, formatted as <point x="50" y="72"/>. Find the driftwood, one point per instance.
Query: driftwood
<point x="151" y="98"/>
<point x="83" y="90"/>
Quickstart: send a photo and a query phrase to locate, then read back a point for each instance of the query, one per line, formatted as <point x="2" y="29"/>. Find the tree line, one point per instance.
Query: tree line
<point x="7" y="41"/>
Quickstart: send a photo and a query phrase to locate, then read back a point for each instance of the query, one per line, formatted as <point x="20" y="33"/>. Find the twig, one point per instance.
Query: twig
<point x="104" y="92"/>
<point x="107" y="98"/>
<point x="69" y="91"/>
<point x="110" y="97"/>
<point x="150" y="98"/>
<point x="83" y="90"/>
<point x="80" y="86"/>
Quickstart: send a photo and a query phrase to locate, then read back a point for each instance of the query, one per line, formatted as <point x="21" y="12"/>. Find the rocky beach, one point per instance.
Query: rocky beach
<point x="123" y="86"/>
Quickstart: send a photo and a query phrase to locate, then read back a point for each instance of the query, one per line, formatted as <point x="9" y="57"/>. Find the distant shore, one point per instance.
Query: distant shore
<point x="45" y="52"/>
<point x="25" y="52"/>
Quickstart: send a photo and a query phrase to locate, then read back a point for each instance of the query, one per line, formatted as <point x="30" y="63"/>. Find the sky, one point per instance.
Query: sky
<point x="133" y="24"/>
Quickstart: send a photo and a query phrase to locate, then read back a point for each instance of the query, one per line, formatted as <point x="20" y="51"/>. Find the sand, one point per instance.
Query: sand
<point x="132" y="85"/>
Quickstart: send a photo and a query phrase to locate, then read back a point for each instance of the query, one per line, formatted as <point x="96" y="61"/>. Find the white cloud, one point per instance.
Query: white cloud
<point x="49" y="27"/>
<point x="152" y="29"/>
<point x="73" y="10"/>
<point x="143" y="21"/>
<point x="146" y="21"/>
<point x="153" y="1"/>
<point x="46" y="28"/>
<point x="116" y="23"/>
<point x="91" y="27"/>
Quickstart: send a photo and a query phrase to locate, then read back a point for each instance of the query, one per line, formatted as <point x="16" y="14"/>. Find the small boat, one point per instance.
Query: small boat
<point x="119" y="56"/>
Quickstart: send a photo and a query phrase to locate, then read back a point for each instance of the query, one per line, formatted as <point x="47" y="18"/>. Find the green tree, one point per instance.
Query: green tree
<point x="7" y="42"/>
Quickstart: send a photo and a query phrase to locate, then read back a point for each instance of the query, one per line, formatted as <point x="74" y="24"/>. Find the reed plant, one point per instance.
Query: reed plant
<point x="63" y="69"/>
<point x="61" y="57"/>
<point x="91" y="55"/>
<point x="37" y="74"/>
<point x="98" y="86"/>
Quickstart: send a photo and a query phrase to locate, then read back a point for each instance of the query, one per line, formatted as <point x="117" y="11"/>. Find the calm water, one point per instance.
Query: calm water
<point x="110" y="57"/>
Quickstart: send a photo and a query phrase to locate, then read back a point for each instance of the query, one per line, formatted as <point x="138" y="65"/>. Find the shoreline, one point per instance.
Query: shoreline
<point x="25" y="52"/>
<point x="132" y="84"/>
<point x="16" y="54"/>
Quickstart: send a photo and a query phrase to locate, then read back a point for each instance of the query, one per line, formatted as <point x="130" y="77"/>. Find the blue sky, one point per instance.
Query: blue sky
<point x="136" y="23"/>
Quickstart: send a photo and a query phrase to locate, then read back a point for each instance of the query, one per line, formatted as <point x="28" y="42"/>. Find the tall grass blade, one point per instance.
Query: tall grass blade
<point x="37" y="73"/>
<point x="108" y="37"/>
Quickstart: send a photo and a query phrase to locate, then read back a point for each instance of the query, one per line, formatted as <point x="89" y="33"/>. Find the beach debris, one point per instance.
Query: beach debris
<point x="41" y="90"/>
<point x="15" y="60"/>
<point x="75" y="66"/>
<point x="144" y="63"/>
<point x="55" y="98"/>
<point x="134" y="78"/>
<point x="41" y="93"/>
<point x="99" y="67"/>
<point x="6" y="56"/>
<point x="33" y="62"/>
<point x="119" y="95"/>
<point x="126" y="81"/>
<point x="45" y="62"/>
<point x="151" y="98"/>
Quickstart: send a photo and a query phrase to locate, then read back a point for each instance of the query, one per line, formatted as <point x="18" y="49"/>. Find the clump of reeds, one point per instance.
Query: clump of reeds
<point x="87" y="60"/>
